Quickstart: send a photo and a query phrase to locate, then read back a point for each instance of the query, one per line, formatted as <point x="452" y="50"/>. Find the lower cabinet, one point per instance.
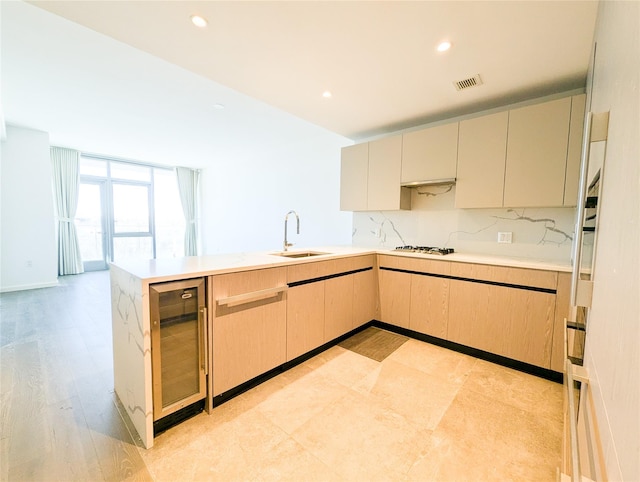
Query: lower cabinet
<point x="305" y="318"/>
<point x="512" y="322"/>
<point x="338" y="306"/>
<point x="249" y="323"/>
<point x="260" y="319"/>
<point x="429" y="308"/>
<point x="563" y="302"/>
<point x="395" y="297"/>
<point x="327" y="299"/>
<point x="513" y="312"/>
<point x="365" y="297"/>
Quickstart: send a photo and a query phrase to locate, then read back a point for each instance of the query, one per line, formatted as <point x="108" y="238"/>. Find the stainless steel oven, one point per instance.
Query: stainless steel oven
<point x="178" y="345"/>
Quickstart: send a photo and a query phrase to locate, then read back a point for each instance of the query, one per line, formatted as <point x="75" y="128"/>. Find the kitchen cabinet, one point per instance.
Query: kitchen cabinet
<point x="563" y="296"/>
<point x="365" y="297"/>
<point x="430" y="154"/>
<point x="506" y="311"/>
<point x="482" y="151"/>
<point x="370" y="177"/>
<point x="354" y="172"/>
<point x="305" y="319"/>
<point x="429" y="310"/>
<point x="572" y="175"/>
<point x="395" y="297"/>
<point x="327" y="299"/>
<point x="422" y="287"/>
<point x="338" y="306"/>
<point x="537" y="154"/>
<point x="383" y="189"/>
<point x="249" y="325"/>
<point x="526" y="157"/>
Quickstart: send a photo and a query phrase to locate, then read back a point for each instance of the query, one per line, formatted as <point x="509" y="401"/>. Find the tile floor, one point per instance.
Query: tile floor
<point x="419" y="413"/>
<point x="422" y="413"/>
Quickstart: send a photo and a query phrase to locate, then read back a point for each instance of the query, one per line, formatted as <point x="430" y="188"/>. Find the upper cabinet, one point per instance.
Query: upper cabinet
<point x="537" y="154"/>
<point x="384" y="191"/>
<point x="572" y="175"/>
<point x="430" y="154"/>
<point x="525" y="157"/>
<point x="371" y="177"/>
<point x="353" y="177"/>
<point x="481" y="161"/>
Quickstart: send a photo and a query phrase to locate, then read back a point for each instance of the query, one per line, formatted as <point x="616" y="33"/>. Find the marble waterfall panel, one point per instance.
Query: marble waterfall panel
<point x="538" y="233"/>
<point x="132" y="350"/>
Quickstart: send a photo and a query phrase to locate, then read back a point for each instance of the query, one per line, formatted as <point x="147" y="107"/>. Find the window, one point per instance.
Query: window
<point x="127" y="210"/>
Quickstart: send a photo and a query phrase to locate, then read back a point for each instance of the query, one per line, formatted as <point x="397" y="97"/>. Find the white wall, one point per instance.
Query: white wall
<point x="28" y="256"/>
<point x="245" y="199"/>
<point x="612" y="353"/>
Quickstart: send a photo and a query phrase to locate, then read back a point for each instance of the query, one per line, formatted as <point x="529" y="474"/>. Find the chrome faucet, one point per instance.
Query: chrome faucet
<point x="286" y="219"/>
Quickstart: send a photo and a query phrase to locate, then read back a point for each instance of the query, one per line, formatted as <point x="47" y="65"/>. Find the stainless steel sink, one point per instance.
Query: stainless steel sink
<point x="298" y="254"/>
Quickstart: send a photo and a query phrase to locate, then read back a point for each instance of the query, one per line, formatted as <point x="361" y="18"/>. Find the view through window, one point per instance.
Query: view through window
<point x="127" y="210"/>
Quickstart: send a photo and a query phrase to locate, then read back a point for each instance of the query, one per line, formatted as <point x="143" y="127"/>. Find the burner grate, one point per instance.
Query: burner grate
<point x="425" y="250"/>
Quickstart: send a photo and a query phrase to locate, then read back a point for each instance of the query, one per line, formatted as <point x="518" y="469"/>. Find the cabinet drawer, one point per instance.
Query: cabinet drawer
<point x="415" y="264"/>
<point x="320" y="269"/>
<point x="248" y="281"/>
<point x="514" y="323"/>
<point x="502" y="274"/>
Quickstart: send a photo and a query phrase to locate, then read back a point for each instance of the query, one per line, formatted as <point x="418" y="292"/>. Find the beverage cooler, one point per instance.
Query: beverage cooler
<point x="178" y="350"/>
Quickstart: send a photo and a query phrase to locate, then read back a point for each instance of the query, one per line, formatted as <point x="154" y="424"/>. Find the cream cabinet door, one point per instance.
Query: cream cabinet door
<point x="482" y="151"/>
<point x="537" y="144"/>
<point x="572" y="174"/>
<point x="353" y="177"/>
<point x="430" y="154"/>
<point x="383" y="190"/>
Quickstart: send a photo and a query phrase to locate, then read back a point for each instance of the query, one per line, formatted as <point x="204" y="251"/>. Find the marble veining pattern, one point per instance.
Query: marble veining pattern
<point x="132" y="351"/>
<point x="439" y="190"/>
<point x="538" y="233"/>
<point x="549" y="226"/>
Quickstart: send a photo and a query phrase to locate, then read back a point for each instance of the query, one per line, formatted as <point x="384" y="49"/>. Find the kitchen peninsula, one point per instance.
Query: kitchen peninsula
<point x="266" y="311"/>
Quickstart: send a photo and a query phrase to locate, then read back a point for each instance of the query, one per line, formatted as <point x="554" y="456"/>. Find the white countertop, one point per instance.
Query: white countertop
<point x="159" y="270"/>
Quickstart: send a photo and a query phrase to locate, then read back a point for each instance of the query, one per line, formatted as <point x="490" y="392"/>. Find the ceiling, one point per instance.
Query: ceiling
<point x="378" y="59"/>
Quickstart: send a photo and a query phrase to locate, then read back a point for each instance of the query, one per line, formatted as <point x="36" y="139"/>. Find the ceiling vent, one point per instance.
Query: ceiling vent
<point x="468" y="83"/>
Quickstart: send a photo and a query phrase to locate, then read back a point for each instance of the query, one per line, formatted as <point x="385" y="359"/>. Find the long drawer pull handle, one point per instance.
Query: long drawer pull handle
<point x="253" y="296"/>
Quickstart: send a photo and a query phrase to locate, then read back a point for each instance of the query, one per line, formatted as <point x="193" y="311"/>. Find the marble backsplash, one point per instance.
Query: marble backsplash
<point x="538" y="233"/>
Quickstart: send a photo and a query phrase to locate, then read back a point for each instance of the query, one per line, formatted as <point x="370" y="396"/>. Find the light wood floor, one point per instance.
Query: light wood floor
<point x="58" y="416"/>
<point x="361" y="411"/>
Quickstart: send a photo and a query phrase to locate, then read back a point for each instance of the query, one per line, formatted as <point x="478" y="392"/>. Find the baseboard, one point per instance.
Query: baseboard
<point x="33" y="286"/>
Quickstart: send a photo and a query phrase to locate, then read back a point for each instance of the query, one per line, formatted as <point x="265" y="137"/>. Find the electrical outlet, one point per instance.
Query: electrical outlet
<point x="505" y="237"/>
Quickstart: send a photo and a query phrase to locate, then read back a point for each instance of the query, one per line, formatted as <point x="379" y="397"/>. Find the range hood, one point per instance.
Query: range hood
<point x="430" y="182"/>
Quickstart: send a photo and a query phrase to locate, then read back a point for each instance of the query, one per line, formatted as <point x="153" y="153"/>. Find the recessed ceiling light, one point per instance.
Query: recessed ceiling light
<point x="199" y="21"/>
<point x="218" y="106"/>
<point x="443" y="46"/>
<point x="326" y="94"/>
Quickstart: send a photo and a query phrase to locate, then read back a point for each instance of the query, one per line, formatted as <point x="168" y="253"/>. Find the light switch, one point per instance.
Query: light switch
<point x="505" y="237"/>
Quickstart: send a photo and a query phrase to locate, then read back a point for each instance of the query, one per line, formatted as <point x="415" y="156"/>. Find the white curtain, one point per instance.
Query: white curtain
<point x="188" y="187"/>
<point x="66" y="186"/>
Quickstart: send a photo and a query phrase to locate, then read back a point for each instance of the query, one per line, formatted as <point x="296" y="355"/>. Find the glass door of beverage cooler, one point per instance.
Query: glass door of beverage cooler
<point x="178" y="345"/>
